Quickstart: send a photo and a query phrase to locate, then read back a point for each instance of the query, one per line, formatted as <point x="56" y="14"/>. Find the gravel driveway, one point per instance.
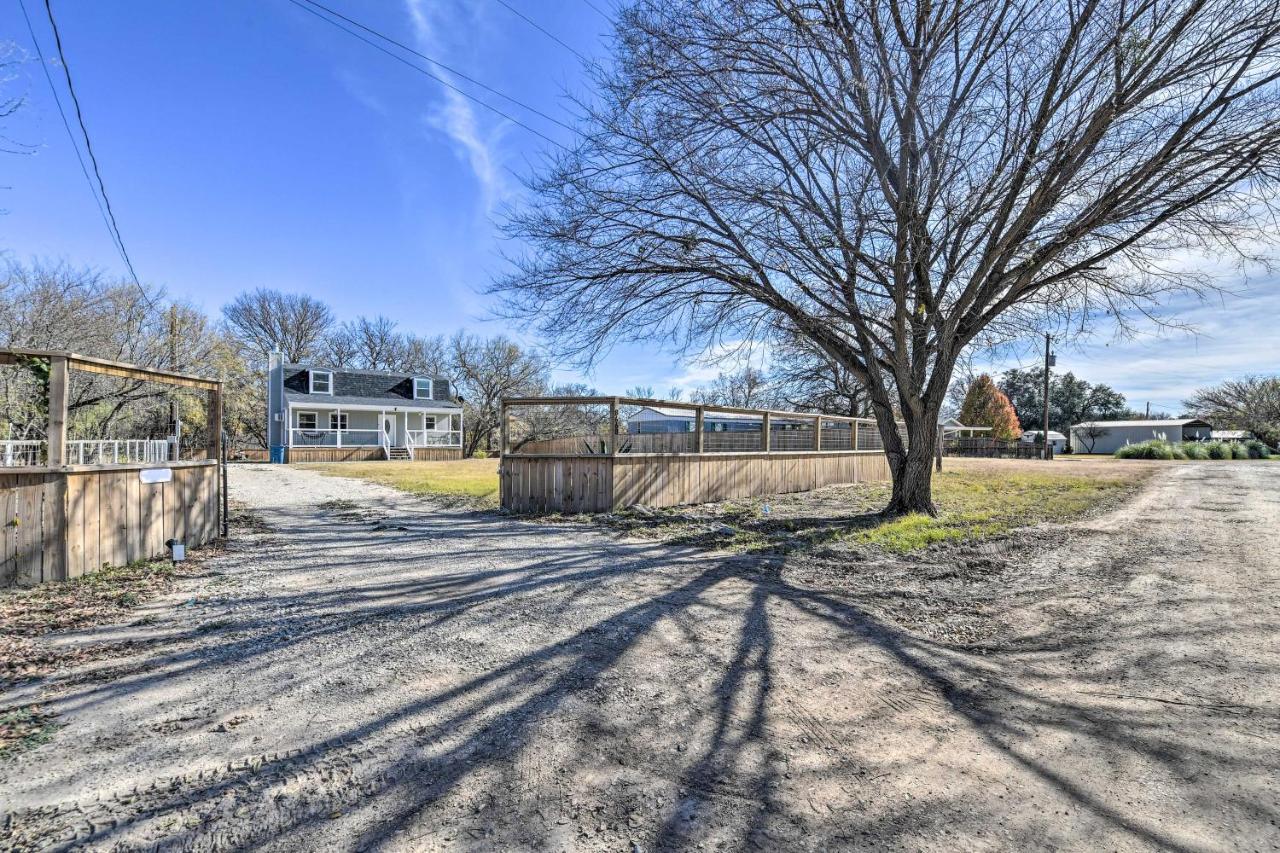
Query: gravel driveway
<point x="373" y="672"/>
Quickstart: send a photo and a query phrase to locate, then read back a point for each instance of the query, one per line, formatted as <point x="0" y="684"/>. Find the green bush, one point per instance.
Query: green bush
<point x="1218" y="449"/>
<point x="1194" y="450"/>
<point x="1256" y="449"/>
<point x="1154" y="449"/>
<point x="1178" y="451"/>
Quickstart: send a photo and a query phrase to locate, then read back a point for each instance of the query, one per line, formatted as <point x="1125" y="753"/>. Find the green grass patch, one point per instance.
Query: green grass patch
<point x="980" y="504"/>
<point x="974" y="503"/>
<point x="473" y="482"/>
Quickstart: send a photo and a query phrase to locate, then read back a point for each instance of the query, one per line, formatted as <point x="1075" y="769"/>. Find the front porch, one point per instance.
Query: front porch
<point x="350" y="434"/>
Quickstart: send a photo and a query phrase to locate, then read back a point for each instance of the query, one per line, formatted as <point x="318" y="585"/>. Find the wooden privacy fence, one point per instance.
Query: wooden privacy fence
<point x="706" y="453"/>
<point x="59" y="520"/>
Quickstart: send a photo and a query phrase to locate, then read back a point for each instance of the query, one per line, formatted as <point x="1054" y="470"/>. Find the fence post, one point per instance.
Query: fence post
<point x="57" y="433"/>
<point x="214" y="448"/>
<point x="817" y="433"/>
<point x="503" y="434"/>
<point x="698" y="419"/>
<point x="614" y="426"/>
<point x="768" y="425"/>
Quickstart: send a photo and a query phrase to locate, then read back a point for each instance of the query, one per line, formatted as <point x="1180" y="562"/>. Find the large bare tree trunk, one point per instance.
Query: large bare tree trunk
<point x="912" y="471"/>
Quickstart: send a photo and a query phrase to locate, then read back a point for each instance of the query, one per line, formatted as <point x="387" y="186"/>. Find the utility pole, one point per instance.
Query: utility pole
<point x="1148" y="410"/>
<point x="1048" y="362"/>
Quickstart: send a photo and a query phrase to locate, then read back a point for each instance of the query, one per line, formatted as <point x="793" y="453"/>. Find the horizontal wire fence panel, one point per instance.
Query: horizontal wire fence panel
<point x="117" y="451"/>
<point x="16" y="453"/>
<point x="586" y="427"/>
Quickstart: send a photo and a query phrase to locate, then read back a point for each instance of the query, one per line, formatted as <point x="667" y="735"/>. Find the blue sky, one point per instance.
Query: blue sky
<point x="249" y="144"/>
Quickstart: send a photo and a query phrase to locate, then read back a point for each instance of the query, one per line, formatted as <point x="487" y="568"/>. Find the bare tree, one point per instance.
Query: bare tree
<point x="485" y="372"/>
<point x="899" y="182"/>
<point x="268" y="320"/>
<point x="1089" y="435"/>
<point x="375" y="343"/>
<point x="62" y="308"/>
<point x="1252" y="404"/>
<point x="424" y="356"/>
<point x="807" y="378"/>
<point x="746" y="388"/>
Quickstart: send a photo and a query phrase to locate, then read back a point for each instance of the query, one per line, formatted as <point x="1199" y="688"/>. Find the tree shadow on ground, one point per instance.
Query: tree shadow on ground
<point x="414" y="767"/>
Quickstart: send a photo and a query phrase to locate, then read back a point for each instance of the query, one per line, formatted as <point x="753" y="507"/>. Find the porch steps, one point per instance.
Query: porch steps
<point x="399" y="454"/>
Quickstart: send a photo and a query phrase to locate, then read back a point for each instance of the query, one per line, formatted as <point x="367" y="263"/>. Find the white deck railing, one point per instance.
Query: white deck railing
<point x="108" y="451"/>
<point x="336" y="437"/>
<point x="434" y="438"/>
<point x="14" y="453"/>
<point x="116" y="451"/>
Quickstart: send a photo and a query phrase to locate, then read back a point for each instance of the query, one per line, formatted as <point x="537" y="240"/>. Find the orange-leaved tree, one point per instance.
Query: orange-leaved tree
<point x="986" y="405"/>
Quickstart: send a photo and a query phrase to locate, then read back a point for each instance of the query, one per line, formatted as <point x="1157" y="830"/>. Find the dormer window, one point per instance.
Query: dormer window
<point x="422" y="389"/>
<point x="322" y="382"/>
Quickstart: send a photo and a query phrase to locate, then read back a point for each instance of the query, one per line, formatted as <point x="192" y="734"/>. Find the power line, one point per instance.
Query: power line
<point x="66" y="123"/>
<point x="420" y="70"/>
<point x="531" y="22"/>
<point x="598" y="11"/>
<point x="455" y="72"/>
<point x="88" y="146"/>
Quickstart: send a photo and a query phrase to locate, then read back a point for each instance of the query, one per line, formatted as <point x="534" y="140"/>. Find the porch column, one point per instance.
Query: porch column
<point x="339" y="427"/>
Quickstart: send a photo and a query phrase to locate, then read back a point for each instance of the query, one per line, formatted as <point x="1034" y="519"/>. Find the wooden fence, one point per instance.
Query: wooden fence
<point x="993" y="448"/>
<point x="617" y="469"/>
<point x="60" y="521"/>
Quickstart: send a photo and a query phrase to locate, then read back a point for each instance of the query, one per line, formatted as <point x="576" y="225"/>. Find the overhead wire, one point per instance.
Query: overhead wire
<point x="455" y="72"/>
<point x="305" y="5"/>
<point x="88" y="146"/>
<point x="71" y="137"/>
<point x="531" y="22"/>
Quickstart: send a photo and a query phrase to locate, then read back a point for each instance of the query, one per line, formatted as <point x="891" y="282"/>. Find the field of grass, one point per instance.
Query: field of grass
<point x="472" y="482"/>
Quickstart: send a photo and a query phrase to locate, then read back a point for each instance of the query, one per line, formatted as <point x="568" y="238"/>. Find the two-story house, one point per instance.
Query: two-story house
<point x="323" y="414"/>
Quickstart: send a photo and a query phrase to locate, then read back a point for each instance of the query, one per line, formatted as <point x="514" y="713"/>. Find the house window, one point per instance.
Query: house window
<point x="321" y="382"/>
<point x="429" y="422"/>
<point x="422" y="389"/>
<point x="337" y="420"/>
<point x="306" y="420"/>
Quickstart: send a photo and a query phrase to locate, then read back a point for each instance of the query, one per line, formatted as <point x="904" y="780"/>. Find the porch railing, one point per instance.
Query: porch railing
<point x="336" y="437"/>
<point x="108" y="451"/>
<point x="15" y="453"/>
<point x="434" y="438"/>
<point x="117" y="451"/>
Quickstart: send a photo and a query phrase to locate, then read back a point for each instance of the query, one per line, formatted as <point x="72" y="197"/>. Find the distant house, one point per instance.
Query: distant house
<point x="325" y="414"/>
<point x="653" y="419"/>
<point x="1110" y="436"/>
<point x="1057" y="439"/>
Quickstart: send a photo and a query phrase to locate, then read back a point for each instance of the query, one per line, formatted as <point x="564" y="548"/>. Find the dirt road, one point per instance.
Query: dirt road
<point x="380" y="674"/>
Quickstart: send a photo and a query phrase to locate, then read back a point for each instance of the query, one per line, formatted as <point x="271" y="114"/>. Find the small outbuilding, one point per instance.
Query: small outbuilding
<point x="1110" y="436"/>
<point x="1056" y="439"/>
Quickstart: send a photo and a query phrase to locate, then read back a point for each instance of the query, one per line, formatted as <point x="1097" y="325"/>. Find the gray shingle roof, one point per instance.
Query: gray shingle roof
<point x="326" y="401"/>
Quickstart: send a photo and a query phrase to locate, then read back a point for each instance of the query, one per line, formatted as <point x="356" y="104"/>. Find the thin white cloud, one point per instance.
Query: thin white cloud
<point x="454" y="115"/>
